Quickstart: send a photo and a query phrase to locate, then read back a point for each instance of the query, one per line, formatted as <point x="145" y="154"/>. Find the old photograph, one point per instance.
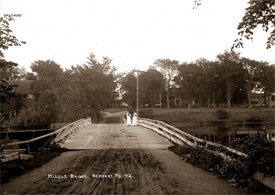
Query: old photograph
<point x="138" y="97"/>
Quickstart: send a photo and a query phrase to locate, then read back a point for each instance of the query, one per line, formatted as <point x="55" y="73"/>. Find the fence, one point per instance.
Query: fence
<point x="183" y="138"/>
<point x="56" y="136"/>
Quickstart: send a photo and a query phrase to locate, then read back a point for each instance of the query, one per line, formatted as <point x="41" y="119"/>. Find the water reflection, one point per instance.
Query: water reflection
<point x="225" y="133"/>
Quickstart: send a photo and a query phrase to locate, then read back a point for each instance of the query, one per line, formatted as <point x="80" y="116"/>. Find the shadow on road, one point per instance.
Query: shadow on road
<point x="112" y="119"/>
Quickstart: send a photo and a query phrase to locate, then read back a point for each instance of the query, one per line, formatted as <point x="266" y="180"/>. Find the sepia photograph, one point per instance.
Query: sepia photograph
<point x="137" y="97"/>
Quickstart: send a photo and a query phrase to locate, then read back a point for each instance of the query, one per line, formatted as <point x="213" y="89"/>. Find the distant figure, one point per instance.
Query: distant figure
<point x="135" y="119"/>
<point x="128" y="117"/>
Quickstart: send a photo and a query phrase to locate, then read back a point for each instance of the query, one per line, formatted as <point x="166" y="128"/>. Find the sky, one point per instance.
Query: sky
<point x="133" y="33"/>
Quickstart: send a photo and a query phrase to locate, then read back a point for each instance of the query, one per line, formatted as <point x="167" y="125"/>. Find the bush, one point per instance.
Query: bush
<point x="253" y="119"/>
<point x="260" y="153"/>
<point x="146" y="113"/>
<point x="239" y="171"/>
<point x="221" y="114"/>
<point x="28" y="118"/>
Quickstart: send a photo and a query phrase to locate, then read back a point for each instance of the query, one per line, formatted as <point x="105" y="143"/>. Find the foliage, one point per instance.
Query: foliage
<point x="6" y="38"/>
<point x="146" y="113"/>
<point x="239" y="171"/>
<point x="229" y="80"/>
<point x="47" y="87"/>
<point x="192" y="81"/>
<point x="253" y="119"/>
<point x="168" y="69"/>
<point x="258" y="13"/>
<point x="221" y="114"/>
<point x="88" y="89"/>
<point x="6" y="67"/>
<point x="28" y="118"/>
<point x="260" y="151"/>
<point x="6" y="92"/>
<point x="203" y="158"/>
<point x="266" y="76"/>
<point x="128" y="88"/>
<point x="151" y="84"/>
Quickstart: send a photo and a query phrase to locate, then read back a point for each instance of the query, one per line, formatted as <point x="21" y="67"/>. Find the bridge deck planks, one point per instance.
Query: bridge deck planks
<point x="116" y="136"/>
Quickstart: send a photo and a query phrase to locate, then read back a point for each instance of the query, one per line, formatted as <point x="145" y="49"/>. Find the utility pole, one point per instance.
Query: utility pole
<point x="137" y="94"/>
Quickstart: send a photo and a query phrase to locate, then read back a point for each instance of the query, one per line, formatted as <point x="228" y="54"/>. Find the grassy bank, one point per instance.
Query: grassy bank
<point x="204" y="115"/>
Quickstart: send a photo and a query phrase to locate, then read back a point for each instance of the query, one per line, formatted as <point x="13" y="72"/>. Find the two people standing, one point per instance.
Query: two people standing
<point x="129" y="119"/>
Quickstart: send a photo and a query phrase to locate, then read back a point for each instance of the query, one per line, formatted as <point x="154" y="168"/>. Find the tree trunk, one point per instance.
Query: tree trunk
<point x="249" y="98"/>
<point x="160" y="101"/>
<point x="269" y="101"/>
<point x="214" y="102"/>
<point x="168" y="97"/>
<point x="228" y="93"/>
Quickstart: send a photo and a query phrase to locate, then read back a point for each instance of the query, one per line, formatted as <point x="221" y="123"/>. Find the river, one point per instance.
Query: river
<point x="224" y="133"/>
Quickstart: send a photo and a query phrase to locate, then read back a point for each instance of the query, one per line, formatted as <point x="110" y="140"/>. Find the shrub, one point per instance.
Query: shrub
<point x="253" y="119"/>
<point x="28" y="118"/>
<point x="260" y="153"/>
<point x="146" y="113"/>
<point x="221" y="114"/>
<point x="239" y="171"/>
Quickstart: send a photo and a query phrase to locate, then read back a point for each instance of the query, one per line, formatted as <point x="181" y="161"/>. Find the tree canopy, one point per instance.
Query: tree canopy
<point x="7" y="40"/>
<point x="168" y="68"/>
<point x="7" y="68"/>
<point x="258" y="13"/>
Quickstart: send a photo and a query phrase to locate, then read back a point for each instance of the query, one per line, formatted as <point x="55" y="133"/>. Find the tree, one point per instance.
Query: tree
<point x="168" y="69"/>
<point x="47" y="87"/>
<point x="87" y="89"/>
<point x="6" y="38"/>
<point x="267" y="78"/>
<point x="128" y="88"/>
<point x="259" y="12"/>
<point x="232" y="68"/>
<point x="251" y="70"/>
<point x="152" y="85"/>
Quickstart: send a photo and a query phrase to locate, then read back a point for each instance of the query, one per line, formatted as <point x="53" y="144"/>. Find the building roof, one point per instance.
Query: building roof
<point x="23" y="86"/>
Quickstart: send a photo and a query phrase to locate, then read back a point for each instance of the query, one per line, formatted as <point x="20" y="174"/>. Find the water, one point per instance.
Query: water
<point x="224" y="133"/>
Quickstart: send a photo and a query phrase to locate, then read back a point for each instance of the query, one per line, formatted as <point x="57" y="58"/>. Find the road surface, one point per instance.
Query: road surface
<point x="112" y="158"/>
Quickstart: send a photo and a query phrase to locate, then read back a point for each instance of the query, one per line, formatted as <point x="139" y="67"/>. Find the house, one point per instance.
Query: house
<point x="257" y="99"/>
<point x="22" y="87"/>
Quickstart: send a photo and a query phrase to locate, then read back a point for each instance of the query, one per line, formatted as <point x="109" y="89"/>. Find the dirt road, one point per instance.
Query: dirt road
<point x="111" y="158"/>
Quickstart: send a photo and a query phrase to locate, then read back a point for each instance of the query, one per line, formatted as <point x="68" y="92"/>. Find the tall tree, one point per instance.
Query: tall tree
<point x="168" y="68"/>
<point x="128" y="88"/>
<point x="267" y="80"/>
<point x="232" y="68"/>
<point x="88" y="88"/>
<point x="47" y="87"/>
<point x="251" y="70"/>
<point x="152" y="85"/>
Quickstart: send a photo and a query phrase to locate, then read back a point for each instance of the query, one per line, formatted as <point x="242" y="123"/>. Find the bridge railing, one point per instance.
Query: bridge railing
<point x="182" y="138"/>
<point x="60" y="134"/>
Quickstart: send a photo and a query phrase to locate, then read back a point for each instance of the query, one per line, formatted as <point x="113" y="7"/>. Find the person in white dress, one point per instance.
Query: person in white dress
<point x="135" y="119"/>
<point x="128" y="117"/>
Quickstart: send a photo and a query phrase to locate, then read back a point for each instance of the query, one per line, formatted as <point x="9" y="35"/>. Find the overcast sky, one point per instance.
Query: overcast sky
<point x="134" y="33"/>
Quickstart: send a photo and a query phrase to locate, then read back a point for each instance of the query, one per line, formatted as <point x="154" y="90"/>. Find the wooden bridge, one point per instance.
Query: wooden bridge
<point x="149" y="135"/>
